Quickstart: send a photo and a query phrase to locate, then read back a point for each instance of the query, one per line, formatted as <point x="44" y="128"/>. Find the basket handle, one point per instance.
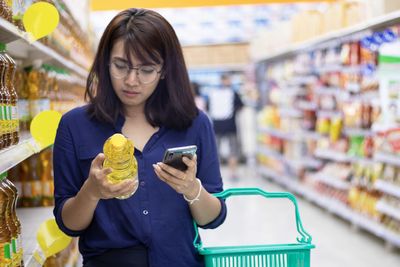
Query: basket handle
<point x="304" y="238"/>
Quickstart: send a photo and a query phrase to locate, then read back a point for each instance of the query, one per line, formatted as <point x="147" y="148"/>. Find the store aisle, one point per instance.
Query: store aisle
<point x="272" y="221"/>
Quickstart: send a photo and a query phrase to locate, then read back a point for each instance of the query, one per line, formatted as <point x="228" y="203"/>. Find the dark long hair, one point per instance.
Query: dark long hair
<point x="149" y="37"/>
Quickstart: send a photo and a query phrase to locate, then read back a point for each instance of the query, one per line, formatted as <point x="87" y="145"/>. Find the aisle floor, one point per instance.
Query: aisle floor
<point x="255" y="220"/>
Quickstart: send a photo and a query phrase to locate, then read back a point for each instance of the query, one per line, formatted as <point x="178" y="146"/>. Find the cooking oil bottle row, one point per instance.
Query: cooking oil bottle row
<point x="9" y="124"/>
<point x="34" y="179"/>
<point x="10" y="226"/>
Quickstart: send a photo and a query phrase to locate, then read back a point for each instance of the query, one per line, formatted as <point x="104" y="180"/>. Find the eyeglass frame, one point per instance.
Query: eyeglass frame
<point x="129" y="71"/>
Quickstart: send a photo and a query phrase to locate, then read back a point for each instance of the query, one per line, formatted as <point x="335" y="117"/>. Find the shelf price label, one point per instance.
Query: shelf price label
<point x="44" y="127"/>
<point x="40" y="19"/>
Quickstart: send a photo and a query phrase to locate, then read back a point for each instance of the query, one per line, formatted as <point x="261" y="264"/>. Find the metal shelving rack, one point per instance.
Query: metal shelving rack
<point x="20" y="47"/>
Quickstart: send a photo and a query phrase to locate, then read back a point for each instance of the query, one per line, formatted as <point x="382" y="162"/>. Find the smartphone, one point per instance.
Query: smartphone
<point x="173" y="156"/>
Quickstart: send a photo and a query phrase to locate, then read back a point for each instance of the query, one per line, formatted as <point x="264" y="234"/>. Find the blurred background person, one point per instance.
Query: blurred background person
<point x="200" y="100"/>
<point x="224" y="104"/>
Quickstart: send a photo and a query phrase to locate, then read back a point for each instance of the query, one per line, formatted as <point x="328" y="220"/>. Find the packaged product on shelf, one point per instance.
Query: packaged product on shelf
<point x="9" y="82"/>
<point x="14" y="177"/>
<point x="47" y="178"/>
<point x="364" y="201"/>
<point x="336" y="128"/>
<point x="391" y="223"/>
<point x="368" y="147"/>
<point x="6" y="255"/>
<point x="31" y="183"/>
<point x="356" y="146"/>
<point x="23" y="102"/>
<point x="323" y="124"/>
<point x="352" y="114"/>
<point x="389" y="173"/>
<point x="5" y="10"/>
<point x="12" y="221"/>
<point x="5" y="100"/>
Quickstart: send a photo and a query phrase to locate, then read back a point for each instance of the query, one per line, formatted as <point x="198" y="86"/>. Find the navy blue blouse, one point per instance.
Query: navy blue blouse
<point x="156" y="215"/>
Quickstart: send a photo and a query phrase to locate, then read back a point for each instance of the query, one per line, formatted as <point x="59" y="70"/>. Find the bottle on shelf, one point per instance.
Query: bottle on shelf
<point x="12" y="66"/>
<point x="119" y="157"/>
<point x="23" y="102"/>
<point x="35" y="170"/>
<point x="33" y="83"/>
<point x="5" y="100"/>
<point x="14" y="176"/>
<point x="5" y="233"/>
<point x="31" y="184"/>
<point x="47" y="178"/>
<point x="11" y="221"/>
<point x="6" y="10"/>
<point x="3" y="67"/>
<point x="17" y="247"/>
<point x="25" y="185"/>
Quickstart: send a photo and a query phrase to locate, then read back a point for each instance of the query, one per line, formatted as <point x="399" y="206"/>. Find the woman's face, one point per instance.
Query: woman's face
<point x="132" y="89"/>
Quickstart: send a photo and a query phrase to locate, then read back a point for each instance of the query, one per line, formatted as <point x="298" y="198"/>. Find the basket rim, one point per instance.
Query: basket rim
<point x="253" y="249"/>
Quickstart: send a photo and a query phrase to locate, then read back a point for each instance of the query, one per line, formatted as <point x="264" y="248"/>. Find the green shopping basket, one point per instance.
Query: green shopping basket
<point x="280" y="255"/>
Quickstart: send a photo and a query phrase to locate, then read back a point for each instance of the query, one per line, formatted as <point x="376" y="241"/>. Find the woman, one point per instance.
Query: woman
<point x="138" y="86"/>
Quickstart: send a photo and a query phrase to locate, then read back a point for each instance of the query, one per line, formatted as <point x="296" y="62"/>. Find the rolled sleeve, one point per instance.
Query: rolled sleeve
<point x="220" y="218"/>
<point x="208" y="166"/>
<point x="67" y="176"/>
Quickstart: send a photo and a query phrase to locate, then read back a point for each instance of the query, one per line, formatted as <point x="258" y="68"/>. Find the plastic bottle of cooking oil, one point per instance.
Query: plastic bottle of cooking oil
<point x="5" y="233"/>
<point x="7" y="107"/>
<point x="14" y="122"/>
<point x="118" y="151"/>
<point x="10" y="220"/>
<point x="16" y="228"/>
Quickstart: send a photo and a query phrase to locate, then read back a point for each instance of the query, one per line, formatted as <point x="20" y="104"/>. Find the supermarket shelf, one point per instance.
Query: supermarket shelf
<point x="296" y="164"/>
<point x="297" y="135"/>
<point x="331" y="181"/>
<point x="277" y="133"/>
<point x="264" y="150"/>
<point x="388" y="209"/>
<point x="306" y="162"/>
<point x="18" y="153"/>
<point x="387" y="158"/>
<point x="388" y="188"/>
<point x="357" y="132"/>
<point x="18" y="46"/>
<point x="331" y="155"/>
<point x="31" y="218"/>
<point x="332" y="205"/>
<point x="335" y="36"/>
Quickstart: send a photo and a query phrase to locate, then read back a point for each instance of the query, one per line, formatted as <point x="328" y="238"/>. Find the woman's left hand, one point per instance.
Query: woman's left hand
<point x="183" y="182"/>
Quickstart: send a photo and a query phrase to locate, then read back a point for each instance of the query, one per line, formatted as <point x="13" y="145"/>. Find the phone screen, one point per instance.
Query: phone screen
<point x="173" y="156"/>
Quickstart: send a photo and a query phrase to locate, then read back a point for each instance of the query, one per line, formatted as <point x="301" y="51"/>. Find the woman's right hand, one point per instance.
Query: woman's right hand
<point x="99" y="187"/>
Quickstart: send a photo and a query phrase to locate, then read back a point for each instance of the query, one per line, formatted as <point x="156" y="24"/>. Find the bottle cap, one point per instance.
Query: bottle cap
<point x="2" y="47"/>
<point x="118" y="141"/>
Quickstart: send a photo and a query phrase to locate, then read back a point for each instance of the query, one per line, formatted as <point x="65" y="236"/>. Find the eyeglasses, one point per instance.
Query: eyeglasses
<point x="146" y="74"/>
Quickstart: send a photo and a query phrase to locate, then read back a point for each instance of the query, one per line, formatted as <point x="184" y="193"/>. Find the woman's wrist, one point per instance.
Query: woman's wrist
<point x="87" y="191"/>
<point x="195" y="194"/>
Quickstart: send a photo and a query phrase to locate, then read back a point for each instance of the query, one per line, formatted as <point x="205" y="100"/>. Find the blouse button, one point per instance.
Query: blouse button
<point x="145" y="212"/>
